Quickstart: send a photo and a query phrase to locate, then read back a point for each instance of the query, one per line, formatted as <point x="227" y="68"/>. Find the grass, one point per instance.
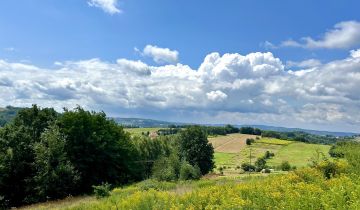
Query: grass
<point x="231" y="151"/>
<point x="302" y="189"/>
<point x="273" y="141"/>
<point x="298" y="154"/>
<point x="139" y="131"/>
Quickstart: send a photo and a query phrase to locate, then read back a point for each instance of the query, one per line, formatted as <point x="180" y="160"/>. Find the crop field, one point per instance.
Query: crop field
<point x="139" y="131"/>
<point x="232" y="143"/>
<point x="231" y="151"/>
<point x="299" y="154"/>
<point x="274" y="141"/>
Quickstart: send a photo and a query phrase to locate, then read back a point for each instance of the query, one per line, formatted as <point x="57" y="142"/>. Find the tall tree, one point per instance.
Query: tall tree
<point x="196" y="149"/>
<point x="99" y="148"/>
<point x="55" y="175"/>
<point x="16" y="154"/>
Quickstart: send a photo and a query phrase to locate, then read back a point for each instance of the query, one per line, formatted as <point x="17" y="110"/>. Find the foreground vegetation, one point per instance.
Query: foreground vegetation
<point x="327" y="184"/>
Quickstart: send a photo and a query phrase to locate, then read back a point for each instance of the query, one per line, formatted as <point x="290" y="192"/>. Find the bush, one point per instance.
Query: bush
<point x="260" y="163"/>
<point x="189" y="172"/>
<point x="248" y="167"/>
<point x="166" y="168"/>
<point x="249" y="141"/>
<point x="102" y="191"/>
<point x="285" y="166"/>
<point x="269" y="154"/>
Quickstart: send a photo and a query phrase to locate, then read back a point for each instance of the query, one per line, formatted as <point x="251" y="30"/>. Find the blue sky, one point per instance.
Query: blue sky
<point x="96" y="40"/>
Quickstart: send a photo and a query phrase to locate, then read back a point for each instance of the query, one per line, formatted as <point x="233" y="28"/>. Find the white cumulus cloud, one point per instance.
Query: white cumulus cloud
<point x="161" y="55"/>
<point x="344" y="35"/>
<point x="108" y="6"/>
<point x="229" y="88"/>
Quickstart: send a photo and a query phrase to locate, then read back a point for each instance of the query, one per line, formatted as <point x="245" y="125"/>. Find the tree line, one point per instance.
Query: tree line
<point x="45" y="155"/>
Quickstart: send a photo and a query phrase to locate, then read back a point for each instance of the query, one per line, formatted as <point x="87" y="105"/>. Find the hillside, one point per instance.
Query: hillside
<point x="7" y="114"/>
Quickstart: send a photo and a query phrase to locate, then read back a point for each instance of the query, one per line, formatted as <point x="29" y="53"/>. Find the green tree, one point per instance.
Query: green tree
<point x="17" y="170"/>
<point x="99" y="148"/>
<point x="196" y="149"/>
<point x="55" y="175"/>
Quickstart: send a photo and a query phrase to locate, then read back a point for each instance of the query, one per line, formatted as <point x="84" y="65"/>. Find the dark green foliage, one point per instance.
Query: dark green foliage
<point x="248" y="167"/>
<point x="231" y="129"/>
<point x="102" y="190"/>
<point x="269" y="155"/>
<point x="260" y="163"/>
<point x="285" y="166"/>
<point x="189" y="172"/>
<point x="304" y="137"/>
<point x="196" y="149"/>
<point x="98" y="148"/>
<point x="55" y="176"/>
<point x="250" y="130"/>
<point x="17" y="156"/>
<point x="249" y="141"/>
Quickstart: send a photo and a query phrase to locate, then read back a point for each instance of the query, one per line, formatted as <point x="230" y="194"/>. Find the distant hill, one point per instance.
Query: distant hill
<point x="147" y="123"/>
<point x="144" y="123"/>
<point x="7" y="114"/>
<point x="316" y="132"/>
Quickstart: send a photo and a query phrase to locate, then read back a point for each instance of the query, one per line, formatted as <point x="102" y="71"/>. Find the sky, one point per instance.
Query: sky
<point x="282" y="63"/>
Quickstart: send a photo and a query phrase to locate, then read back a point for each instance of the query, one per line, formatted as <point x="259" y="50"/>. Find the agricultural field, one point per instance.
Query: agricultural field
<point x="299" y="154"/>
<point x="231" y="151"/>
<point x="139" y="131"/>
<point x="232" y="143"/>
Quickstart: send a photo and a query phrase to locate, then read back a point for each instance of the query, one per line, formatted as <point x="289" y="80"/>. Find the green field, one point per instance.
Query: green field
<point x="298" y="154"/>
<point x="139" y="131"/>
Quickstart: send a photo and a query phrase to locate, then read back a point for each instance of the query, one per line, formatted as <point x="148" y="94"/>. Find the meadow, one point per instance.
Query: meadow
<point x="231" y="151"/>
<point x="302" y="189"/>
<point x="140" y="131"/>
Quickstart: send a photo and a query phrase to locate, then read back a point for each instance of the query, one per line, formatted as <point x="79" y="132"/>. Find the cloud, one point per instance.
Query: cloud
<point x="310" y="63"/>
<point x="108" y="6"/>
<point x="160" y="55"/>
<point x="216" y="95"/>
<point x="228" y="88"/>
<point x="344" y="35"/>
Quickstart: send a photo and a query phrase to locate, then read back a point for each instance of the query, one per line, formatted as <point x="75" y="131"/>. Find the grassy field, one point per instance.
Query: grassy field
<point x="231" y="151"/>
<point x="298" y="153"/>
<point x="274" y="141"/>
<point x="303" y="189"/>
<point x="139" y="131"/>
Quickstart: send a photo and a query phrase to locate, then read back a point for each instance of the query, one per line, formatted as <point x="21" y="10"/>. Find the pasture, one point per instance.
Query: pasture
<point x="139" y="131"/>
<point x="231" y="151"/>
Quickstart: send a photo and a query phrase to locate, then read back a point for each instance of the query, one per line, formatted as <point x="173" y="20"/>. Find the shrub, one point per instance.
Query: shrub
<point x="269" y="154"/>
<point x="188" y="171"/>
<point x="103" y="190"/>
<point x="248" y="167"/>
<point x="249" y="141"/>
<point x="166" y="168"/>
<point x="260" y="163"/>
<point x="285" y="166"/>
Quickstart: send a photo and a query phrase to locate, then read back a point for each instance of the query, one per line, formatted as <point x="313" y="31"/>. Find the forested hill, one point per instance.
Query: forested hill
<point x="7" y="113"/>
